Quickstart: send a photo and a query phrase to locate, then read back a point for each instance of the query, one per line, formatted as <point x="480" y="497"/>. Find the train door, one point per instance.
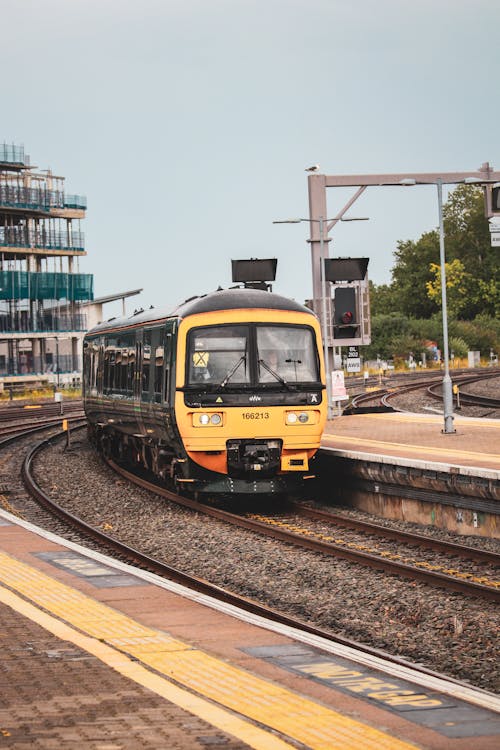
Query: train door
<point x="152" y="367"/>
<point x="169" y="376"/>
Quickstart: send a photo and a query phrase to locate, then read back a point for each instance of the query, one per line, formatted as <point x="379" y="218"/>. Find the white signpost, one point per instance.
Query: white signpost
<point x="494" y="234"/>
<point x="353" y="361"/>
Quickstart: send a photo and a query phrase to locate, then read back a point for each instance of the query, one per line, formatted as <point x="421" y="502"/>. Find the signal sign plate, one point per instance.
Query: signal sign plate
<point x="353" y="364"/>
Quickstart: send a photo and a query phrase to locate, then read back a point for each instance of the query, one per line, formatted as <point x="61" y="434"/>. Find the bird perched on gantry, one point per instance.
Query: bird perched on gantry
<point x="314" y="168"/>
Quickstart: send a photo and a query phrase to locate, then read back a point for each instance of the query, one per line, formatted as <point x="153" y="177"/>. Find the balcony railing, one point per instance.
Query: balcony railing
<point x="41" y="238"/>
<point x="38" y="198"/>
<point x="16" y="196"/>
<point x="29" y="285"/>
<point x="10" y="154"/>
<point x="48" y="365"/>
<point x="75" y="201"/>
<point x="21" y="321"/>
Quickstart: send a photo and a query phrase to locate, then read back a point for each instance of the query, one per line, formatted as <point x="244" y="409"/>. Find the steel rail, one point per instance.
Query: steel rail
<point x="200" y="585"/>
<point x="145" y="562"/>
<point x="470" y="588"/>
<point x="387" y="393"/>
<point x="13" y="411"/>
<point x="416" y="540"/>
<point x="469" y="399"/>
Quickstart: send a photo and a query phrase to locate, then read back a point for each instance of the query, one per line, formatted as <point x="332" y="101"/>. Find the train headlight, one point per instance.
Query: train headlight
<point x="213" y="419"/>
<point x="302" y="417"/>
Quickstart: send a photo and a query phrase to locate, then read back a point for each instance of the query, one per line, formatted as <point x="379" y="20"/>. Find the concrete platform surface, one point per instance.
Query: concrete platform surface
<point x="98" y="655"/>
<point x="417" y="439"/>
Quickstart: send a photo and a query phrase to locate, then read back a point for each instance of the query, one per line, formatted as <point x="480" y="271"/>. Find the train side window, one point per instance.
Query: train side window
<point x="127" y="348"/>
<point x="146" y="364"/>
<point x="158" y="373"/>
<point x="131" y="370"/>
<point x="157" y="362"/>
<point x="110" y="365"/>
<point x="100" y="369"/>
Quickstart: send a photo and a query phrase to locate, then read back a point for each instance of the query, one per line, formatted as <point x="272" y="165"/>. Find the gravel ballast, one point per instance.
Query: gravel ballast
<point x="444" y="631"/>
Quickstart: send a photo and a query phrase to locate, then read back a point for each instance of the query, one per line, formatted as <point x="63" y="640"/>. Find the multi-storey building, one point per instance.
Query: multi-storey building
<point x="43" y="296"/>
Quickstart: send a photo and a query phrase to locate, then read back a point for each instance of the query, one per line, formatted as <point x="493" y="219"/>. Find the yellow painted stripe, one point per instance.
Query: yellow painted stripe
<point x="114" y="638"/>
<point x="423" y="419"/>
<point x="337" y="441"/>
<point x="217" y="717"/>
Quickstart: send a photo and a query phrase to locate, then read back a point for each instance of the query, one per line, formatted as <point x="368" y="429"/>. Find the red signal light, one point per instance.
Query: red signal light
<point x="347" y="318"/>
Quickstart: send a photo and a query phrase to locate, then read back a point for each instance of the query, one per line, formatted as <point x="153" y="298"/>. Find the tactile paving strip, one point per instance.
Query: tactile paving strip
<point x="296" y="717"/>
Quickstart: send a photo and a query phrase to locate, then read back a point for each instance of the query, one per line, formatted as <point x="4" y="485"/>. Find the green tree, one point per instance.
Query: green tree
<point x="411" y="272"/>
<point x="467" y="240"/>
<point x="458" y="286"/>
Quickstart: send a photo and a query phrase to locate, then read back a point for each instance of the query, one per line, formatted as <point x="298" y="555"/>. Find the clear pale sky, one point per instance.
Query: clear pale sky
<point x="188" y="124"/>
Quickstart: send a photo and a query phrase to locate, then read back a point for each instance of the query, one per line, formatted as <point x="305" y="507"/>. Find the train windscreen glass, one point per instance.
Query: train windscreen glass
<point x="219" y="355"/>
<point x="286" y="353"/>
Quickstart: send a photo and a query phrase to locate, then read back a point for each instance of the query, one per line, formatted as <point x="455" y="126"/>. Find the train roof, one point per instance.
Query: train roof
<point x="222" y="299"/>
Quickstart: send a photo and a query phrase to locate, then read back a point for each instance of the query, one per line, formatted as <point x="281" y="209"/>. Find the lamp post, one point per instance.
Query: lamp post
<point x="447" y="386"/>
<point x="324" y="328"/>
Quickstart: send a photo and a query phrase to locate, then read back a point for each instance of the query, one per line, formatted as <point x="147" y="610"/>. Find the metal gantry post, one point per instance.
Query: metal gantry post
<point x="324" y="315"/>
<point x="447" y="386"/>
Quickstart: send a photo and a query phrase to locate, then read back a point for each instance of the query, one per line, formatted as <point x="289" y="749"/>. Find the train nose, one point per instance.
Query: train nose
<point x="246" y="457"/>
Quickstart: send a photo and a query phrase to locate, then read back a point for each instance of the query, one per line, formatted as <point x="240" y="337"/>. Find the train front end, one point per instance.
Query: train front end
<point x="250" y="402"/>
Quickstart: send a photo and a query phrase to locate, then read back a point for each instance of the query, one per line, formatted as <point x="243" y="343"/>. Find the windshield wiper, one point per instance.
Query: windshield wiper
<point x="273" y="373"/>
<point x="232" y="371"/>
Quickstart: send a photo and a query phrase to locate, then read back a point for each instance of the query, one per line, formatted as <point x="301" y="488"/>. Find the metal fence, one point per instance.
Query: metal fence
<point x="75" y="201"/>
<point x="10" y="154"/>
<point x="41" y="238"/>
<point x="31" y="285"/>
<point x="26" y="364"/>
<point x="38" y="198"/>
<point x="21" y="321"/>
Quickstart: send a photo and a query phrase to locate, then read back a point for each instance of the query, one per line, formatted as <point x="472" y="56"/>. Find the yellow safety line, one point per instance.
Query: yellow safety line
<point x="454" y="452"/>
<point x="218" y="717"/>
<point x="425" y="419"/>
<point x="113" y="637"/>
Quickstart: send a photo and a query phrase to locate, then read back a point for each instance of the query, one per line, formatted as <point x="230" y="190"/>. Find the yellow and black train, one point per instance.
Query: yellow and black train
<point x="223" y="395"/>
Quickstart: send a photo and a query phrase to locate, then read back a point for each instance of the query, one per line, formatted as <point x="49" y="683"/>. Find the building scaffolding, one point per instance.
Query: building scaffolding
<point x="43" y="296"/>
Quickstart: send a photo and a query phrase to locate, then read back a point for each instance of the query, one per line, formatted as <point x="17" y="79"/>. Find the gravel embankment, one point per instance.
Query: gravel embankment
<point x="445" y="631"/>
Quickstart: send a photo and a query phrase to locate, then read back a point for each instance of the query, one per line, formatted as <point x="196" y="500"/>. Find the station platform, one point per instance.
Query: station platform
<point x="403" y="466"/>
<point x="97" y="654"/>
<point x="417" y="440"/>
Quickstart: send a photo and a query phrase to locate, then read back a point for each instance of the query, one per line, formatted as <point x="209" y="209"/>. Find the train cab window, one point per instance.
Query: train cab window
<point x="218" y="355"/>
<point x="286" y="353"/>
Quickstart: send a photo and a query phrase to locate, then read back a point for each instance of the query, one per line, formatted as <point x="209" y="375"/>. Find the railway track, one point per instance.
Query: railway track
<point x="29" y="411"/>
<point x="384" y="397"/>
<point x="128" y="554"/>
<point x="305" y="617"/>
<point x="431" y="570"/>
<point x="467" y="398"/>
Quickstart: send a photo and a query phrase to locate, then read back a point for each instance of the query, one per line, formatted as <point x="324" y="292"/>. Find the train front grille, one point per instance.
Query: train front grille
<point x="251" y="457"/>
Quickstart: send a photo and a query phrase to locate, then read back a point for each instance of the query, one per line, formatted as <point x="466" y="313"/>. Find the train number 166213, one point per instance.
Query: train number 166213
<point x="255" y="415"/>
